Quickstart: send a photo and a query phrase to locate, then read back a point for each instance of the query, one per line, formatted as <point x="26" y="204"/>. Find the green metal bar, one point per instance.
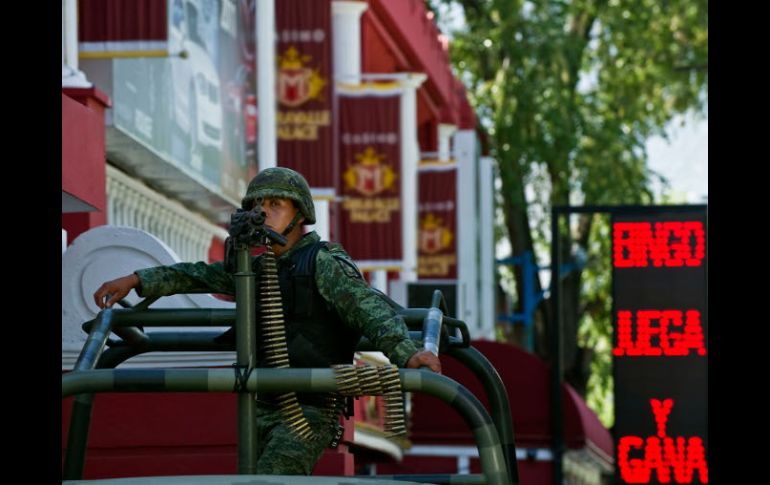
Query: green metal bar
<point x="482" y="426"/>
<point x="82" y="405"/>
<point x="365" y="345"/>
<point x="115" y="356"/>
<point x="498" y="402"/>
<point x="204" y="342"/>
<point x="171" y="317"/>
<point x="470" y="357"/>
<point x="191" y="317"/>
<point x="298" y="380"/>
<point x="182" y="341"/>
<point x="437" y="479"/>
<point x="97" y="338"/>
<point x="246" y="358"/>
<point x="120" y="351"/>
<point x="438" y="301"/>
<point x="219" y="317"/>
<point x="414" y="318"/>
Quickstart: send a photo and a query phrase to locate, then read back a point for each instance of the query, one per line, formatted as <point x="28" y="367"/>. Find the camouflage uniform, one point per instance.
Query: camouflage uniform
<point x="339" y="284"/>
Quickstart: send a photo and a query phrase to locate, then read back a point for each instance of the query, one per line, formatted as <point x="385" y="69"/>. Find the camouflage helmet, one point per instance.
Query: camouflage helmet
<point x="285" y="183"/>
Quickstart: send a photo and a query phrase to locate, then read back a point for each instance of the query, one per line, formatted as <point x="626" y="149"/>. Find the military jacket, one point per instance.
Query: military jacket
<point x="336" y="279"/>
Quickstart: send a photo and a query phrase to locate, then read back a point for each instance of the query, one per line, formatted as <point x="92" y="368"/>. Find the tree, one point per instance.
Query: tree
<point x="569" y="91"/>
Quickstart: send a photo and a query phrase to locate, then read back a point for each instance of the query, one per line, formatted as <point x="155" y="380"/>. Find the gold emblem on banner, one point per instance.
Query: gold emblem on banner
<point x="434" y="236"/>
<point x="296" y="82"/>
<point x="369" y="177"/>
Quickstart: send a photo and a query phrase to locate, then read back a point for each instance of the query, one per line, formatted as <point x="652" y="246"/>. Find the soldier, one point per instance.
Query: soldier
<point x="327" y="305"/>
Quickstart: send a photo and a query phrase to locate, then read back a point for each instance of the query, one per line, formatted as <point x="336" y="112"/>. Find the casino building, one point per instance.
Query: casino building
<point x="170" y="107"/>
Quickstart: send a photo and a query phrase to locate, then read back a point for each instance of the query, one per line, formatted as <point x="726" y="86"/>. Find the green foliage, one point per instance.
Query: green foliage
<point x="569" y="91"/>
<point x="595" y="329"/>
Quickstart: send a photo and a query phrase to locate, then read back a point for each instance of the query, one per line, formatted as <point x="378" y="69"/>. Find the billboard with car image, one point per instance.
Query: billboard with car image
<point x="196" y="108"/>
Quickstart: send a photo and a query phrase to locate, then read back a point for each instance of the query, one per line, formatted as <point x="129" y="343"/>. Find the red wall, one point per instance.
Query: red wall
<point x="216" y="250"/>
<point x="161" y="434"/>
<point x="400" y="37"/>
<point x="410" y="25"/>
<point x="83" y="157"/>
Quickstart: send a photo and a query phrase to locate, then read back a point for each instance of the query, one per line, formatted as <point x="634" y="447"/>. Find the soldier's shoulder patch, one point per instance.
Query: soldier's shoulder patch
<point x="344" y="260"/>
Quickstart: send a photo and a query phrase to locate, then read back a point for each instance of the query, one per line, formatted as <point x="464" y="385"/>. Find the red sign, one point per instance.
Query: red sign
<point x="669" y="244"/>
<point x="304" y="89"/>
<point x="660" y="345"/>
<point x="681" y="458"/>
<point x="370" y="168"/>
<point x="666" y="333"/>
<point x="437" y="223"/>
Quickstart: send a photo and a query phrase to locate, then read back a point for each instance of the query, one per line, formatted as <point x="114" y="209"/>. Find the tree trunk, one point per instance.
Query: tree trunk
<point x="577" y="360"/>
<point x="520" y="234"/>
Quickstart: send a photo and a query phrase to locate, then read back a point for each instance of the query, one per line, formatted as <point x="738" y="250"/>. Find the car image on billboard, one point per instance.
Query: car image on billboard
<point x="196" y="105"/>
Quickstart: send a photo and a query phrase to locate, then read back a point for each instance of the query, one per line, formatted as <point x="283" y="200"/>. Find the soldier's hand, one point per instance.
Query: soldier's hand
<point x="424" y="359"/>
<point x="113" y="291"/>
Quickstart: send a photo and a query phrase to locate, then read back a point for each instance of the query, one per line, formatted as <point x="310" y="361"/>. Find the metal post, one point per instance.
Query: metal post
<point x="529" y="269"/>
<point x="82" y="405"/>
<point x="557" y="427"/>
<point x="498" y="402"/>
<point x="246" y="359"/>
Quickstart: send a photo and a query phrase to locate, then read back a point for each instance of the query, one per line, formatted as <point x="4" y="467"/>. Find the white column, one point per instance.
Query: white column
<point x="321" y="226"/>
<point x="487" y="309"/>
<point x="71" y="77"/>
<point x="445" y="132"/>
<point x="120" y="206"/>
<point x="346" y="39"/>
<point x="110" y="205"/>
<point x="467" y="246"/>
<point x="265" y="25"/>
<point x="410" y="159"/>
<point x="63" y="241"/>
<point x="380" y="280"/>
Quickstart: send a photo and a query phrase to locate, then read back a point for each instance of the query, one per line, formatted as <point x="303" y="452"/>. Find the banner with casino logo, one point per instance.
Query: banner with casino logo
<point x="437" y="221"/>
<point x="370" y="171"/>
<point x="304" y="89"/>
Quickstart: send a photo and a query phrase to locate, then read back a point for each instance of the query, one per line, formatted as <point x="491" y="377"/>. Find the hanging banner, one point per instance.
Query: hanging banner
<point x="304" y="89"/>
<point x="122" y="28"/>
<point x="437" y="221"/>
<point x="370" y="171"/>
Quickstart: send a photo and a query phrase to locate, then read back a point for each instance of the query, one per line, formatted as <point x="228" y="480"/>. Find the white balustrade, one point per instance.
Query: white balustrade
<point x="133" y="204"/>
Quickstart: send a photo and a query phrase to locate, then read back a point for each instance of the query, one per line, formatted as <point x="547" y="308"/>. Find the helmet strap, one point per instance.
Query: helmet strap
<point x="293" y="223"/>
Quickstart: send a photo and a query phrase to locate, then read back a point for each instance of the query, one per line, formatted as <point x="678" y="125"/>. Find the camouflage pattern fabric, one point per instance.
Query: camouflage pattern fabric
<point x="338" y="281"/>
<point x="279" y="452"/>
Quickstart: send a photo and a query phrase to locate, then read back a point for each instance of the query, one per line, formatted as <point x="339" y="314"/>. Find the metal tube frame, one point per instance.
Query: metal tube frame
<point x="246" y="358"/>
<point x="121" y="351"/>
<point x="299" y="380"/>
<point x="498" y="402"/>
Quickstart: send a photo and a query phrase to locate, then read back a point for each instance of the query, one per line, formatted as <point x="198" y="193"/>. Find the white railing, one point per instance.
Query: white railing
<point x="133" y="204"/>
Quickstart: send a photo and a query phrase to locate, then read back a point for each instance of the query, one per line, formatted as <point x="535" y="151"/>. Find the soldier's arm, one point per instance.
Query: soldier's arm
<point x="360" y="308"/>
<point x="185" y="278"/>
